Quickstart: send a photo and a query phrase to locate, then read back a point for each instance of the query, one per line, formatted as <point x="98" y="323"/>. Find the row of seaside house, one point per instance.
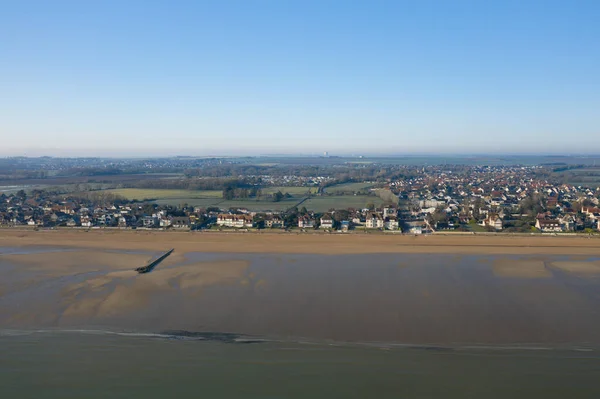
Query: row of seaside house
<point x="387" y="220"/>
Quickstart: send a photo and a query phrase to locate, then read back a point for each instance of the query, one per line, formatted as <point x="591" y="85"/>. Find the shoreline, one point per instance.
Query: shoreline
<point x="325" y="244"/>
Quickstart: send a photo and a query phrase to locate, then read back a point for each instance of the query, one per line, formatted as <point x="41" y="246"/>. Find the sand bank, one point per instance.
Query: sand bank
<point x="579" y="268"/>
<point x="70" y="262"/>
<point x="118" y="293"/>
<point x="520" y="268"/>
<point x="406" y="298"/>
<point x="302" y="243"/>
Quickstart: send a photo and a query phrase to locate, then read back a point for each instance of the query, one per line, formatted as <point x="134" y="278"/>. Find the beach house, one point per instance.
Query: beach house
<point x="326" y="221"/>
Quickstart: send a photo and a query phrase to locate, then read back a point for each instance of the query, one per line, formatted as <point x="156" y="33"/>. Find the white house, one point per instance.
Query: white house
<point x="493" y="221"/>
<point x="274" y="221"/>
<point x="374" y="221"/>
<point x="416" y="226"/>
<point x="548" y="225"/>
<point x="391" y="223"/>
<point x="326" y="221"/>
<point x="237" y="221"/>
<point x="567" y="222"/>
<point x="306" y="222"/>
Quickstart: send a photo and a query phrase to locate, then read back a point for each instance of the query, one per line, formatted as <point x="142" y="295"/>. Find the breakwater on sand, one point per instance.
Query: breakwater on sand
<point x="150" y="266"/>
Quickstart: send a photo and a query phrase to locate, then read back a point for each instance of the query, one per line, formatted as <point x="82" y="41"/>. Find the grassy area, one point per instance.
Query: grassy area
<point x="323" y="204"/>
<point x="250" y="204"/>
<point x="589" y="177"/>
<point x="205" y="198"/>
<point x="160" y="194"/>
<point x="349" y="187"/>
<point x="214" y="198"/>
<point x="317" y="204"/>
<point x="477" y="228"/>
<point x="586" y="183"/>
<point x="296" y="191"/>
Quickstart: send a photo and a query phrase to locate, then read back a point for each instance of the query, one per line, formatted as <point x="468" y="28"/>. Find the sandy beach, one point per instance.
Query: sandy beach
<point x="326" y="244"/>
<point x="354" y="287"/>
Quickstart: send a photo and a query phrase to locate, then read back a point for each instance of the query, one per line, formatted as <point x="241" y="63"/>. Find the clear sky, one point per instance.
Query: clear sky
<point x="282" y="76"/>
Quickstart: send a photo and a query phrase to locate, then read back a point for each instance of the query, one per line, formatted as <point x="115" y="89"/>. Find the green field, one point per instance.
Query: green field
<point x="214" y="198"/>
<point x="316" y="204"/>
<point x="296" y="191"/>
<point x="206" y="198"/>
<point x="160" y="194"/>
<point x="349" y="187"/>
<point x="250" y="204"/>
<point x="323" y="204"/>
<point x="587" y="177"/>
<point x="587" y="183"/>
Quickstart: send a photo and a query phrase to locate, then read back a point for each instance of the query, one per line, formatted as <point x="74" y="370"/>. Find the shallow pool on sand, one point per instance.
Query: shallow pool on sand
<point x="403" y="298"/>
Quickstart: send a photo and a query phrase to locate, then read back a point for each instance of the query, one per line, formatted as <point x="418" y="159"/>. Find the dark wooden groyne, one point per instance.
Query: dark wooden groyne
<point x="150" y="266"/>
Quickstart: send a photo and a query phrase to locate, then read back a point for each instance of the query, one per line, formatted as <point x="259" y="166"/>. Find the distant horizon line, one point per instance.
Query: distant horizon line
<point x="312" y="155"/>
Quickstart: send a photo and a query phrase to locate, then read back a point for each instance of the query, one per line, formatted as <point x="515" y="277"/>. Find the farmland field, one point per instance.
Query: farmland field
<point x="296" y="191"/>
<point x="60" y="181"/>
<point x="349" y="187"/>
<point x="587" y="183"/>
<point x="317" y="204"/>
<point x="250" y="204"/>
<point x="323" y="204"/>
<point x="587" y="177"/>
<point x="204" y="198"/>
<point x="159" y="194"/>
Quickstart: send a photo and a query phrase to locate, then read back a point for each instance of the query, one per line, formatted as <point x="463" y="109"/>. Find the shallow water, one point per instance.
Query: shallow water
<point x="380" y="325"/>
<point x="406" y="298"/>
<point x="98" y="365"/>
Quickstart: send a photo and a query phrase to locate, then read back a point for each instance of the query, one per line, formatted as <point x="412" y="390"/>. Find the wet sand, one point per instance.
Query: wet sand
<point x="303" y="243"/>
<point x="404" y="298"/>
<point x="534" y="268"/>
<point x="579" y="268"/>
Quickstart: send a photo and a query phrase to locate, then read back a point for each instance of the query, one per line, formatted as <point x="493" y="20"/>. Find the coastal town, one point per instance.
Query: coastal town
<point x="473" y="199"/>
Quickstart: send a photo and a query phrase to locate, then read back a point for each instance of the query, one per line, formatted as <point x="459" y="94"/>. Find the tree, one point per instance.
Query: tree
<point x="21" y="194"/>
<point x="532" y="204"/>
<point x="259" y="220"/>
<point x="278" y="196"/>
<point x="477" y="205"/>
<point x="148" y="209"/>
<point x="228" y="193"/>
<point x="439" y="215"/>
<point x="370" y="206"/>
<point x="291" y="219"/>
<point x="340" y="215"/>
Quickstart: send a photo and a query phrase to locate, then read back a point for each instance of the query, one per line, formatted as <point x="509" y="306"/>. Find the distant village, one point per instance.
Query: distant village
<point x="484" y="200"/>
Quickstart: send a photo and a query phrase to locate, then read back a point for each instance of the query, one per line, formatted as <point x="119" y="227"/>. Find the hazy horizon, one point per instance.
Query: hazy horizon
<point x="158" y="153"/>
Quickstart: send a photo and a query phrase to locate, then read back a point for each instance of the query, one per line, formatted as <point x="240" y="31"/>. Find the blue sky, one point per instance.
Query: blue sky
<point x="256" y="77"/>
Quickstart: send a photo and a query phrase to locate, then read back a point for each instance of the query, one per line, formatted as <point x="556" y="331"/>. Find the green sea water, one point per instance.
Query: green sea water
<point x="102" y="365"/>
